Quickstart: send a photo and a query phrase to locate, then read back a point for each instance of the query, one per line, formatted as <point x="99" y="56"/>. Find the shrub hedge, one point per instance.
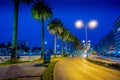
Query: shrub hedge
<point x="113" y="65"/>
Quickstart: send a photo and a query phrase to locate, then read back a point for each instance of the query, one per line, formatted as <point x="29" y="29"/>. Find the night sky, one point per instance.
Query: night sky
<point x="104" y="11"/>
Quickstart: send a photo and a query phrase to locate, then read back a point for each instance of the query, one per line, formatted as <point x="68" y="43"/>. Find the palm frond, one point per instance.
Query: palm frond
<point x="55" y="26"/>
<point x="41" y="9"/>
<point x="64" y="35"/>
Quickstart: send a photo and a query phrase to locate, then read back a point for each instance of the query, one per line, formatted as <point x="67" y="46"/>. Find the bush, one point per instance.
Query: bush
<point x="105" y="63"/>
<point x="13" y="61"/>
<point x="65" y="55"/>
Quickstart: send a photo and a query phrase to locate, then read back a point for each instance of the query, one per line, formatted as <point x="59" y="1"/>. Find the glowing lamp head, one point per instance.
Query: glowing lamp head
<point x="83" y="41"/>
<point x="92" y="24"/>
<point x="89" y="41"/>
<point x="84" y="44"/>
<point x="78" y="24"/>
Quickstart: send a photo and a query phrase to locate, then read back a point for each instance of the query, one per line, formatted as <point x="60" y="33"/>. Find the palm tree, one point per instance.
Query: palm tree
<point x="55" y="27"/>
<point x="64" y="35"/>
<point x="15" y="28"/>
<point x="70" y="39"/>
<point x="41" y="11"/>
<point x="77" y="43"/>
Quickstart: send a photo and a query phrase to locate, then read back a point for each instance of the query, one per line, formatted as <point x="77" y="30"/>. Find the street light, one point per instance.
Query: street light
<point x="86" y="47"/>
<point x="78" y="24"/>
<point x="92" y="24"/>
<point x="83" y="41"/>
<point x="89" y="41"/>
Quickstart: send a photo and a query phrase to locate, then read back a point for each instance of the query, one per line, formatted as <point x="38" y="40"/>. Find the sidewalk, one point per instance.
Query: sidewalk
<point x="24" y="71"/>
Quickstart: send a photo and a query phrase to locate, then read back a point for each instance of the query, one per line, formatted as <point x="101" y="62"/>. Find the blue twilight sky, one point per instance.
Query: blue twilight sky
<point x="104" y="11"/>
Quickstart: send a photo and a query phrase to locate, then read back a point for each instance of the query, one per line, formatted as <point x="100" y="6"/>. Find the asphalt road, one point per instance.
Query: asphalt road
<point x="81" y="69"/>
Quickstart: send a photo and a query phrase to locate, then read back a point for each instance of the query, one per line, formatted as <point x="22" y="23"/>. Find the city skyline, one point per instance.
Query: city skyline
<point x="68" y="11"/>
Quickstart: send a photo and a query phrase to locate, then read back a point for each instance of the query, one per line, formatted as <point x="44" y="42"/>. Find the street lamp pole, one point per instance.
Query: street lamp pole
<point x="86" y="35"/>
<point x="92" y="24"/>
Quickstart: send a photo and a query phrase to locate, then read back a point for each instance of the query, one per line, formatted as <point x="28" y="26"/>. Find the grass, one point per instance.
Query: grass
<point x="11" y="79"/>
<point x="48" y="73"/>
<point x="17" y="61"/>
<point x="9" y="62"/>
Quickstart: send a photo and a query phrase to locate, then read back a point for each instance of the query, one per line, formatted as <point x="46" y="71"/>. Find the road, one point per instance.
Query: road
<point x="80" y="69"/>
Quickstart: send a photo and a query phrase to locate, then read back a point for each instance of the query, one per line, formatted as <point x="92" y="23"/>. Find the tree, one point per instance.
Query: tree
<point x="8" y="44"/>
<point x="50" y="51"/>
<point x="55" y="27"/>
<point x="64" y="35"/>
<point x="15" y="28"/>
<point x="71" y="39"/>
<point x="67" y="41"/>
<point x="2" y="45"/>
<point x="41" y="11"/>
<point x="77" y="43"/>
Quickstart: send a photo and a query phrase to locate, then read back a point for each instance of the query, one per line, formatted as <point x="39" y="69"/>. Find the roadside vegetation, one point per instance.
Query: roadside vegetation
<point x="8" y="62"/>
<point x="106" y="64"/>
<point x="48" y="73"/>
<point x="11" y="79"/>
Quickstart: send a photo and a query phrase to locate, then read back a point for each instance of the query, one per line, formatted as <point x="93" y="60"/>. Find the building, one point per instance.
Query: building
<point x="106" y="44"/>
<point x="22" y="43"/>
<point x="111" y="42"/>
<point x="116" y="30"/>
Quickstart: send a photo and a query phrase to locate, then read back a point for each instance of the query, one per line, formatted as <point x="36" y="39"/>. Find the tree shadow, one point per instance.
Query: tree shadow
<point x="41" y="65"/>
<point x="14" y="71"/>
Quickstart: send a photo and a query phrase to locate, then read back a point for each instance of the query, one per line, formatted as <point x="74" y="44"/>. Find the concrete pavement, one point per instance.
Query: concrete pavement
<point x="27" y="71"/>
<point x="81" y="69"/>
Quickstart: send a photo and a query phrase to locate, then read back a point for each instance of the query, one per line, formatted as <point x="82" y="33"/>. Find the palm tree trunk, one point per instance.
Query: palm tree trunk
<point x="62" y="46"/>
<point x="66" y="47"/>
<point x="71" y="47"/>
<point x="42" y="55"/>
<point x="55" y="45"/>
<point x="15" y="30"/>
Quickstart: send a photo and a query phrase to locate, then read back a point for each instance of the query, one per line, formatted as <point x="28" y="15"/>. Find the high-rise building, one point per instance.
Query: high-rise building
<point x="111" y="42"/>
<point x="106" y="44"/>
<point x="22" y="43"/>
<point x="116" y="30"/>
